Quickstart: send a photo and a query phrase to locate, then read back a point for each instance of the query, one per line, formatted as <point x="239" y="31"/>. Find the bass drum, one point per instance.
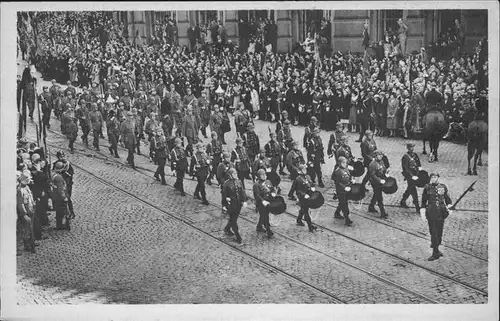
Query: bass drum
<point x="277" y="205"/>
<point x="423" y="179"/>
<point x="316" y="200"/>
<point x="357" y="192"/>
<point x="390" y="186"/>
<point x="358" y="168"/>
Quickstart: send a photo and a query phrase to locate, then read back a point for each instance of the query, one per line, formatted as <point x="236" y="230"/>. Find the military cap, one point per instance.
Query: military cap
<point x="342" y="158"/>
<point x="60" y="166"/>
<point x="313" y="119"/>
<point x="238" y="140"/>
<point x="315" y="131"/>
<point x="287" y="122"/>
<point x="251" y="125"/>
<point x="226" y="154"/>
<point x="232" y="170"/>
<point x="368" y="132"/>
<point x="35" y="157"/>
<point x="130" y="113"/>
<point x="260" y="172"/>
<point x="434" y="174"/>
<point x="338" y="124"/>
<point x="60" y="154"/>
<point x="177" y="140"/>
<point x="198" y="145"/>
<point x="409" y="145"/>
<point x="377" y="152"/>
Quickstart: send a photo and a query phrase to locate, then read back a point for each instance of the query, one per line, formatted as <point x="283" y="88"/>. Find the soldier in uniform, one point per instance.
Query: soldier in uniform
<point x="26" y="210"/>
<point x="96" y="120"/>
<point x="377" y="175"/>
<point x="274" y="152"/>
<point x="436" y="204"/>
<point x="251" y="141"/>
<point x="241" y="119"/>
<point x="223" y="167"/>
<point x="316" y="155"/>
<point x="368" y="147"/>
<point x="68" y="173"/>
<point x="343" y="181"/>
<point x="410" y="163"/>
<point x="240" y="158"/>
<point x="204" y="107"/>
<point x="334" y="141"/>
<point x="139" y="129"/>
<point x="214" y="151"/>
<point x="233" y="198"/>
<point x="294" y="159"/>
<point x="313" y="123"/>
<point x="60" y="197"/>
<point x="46" y="101"/>
<point x="113" y="127"/>
<point x="71" y="130"/>
<point x="215" y="122"/>
<point x="179" y="164"/>
<point x="284" y="137"/>
<point x="159" y="144"/>
<point x="82" y="114"/>
<point x="200" y="167"/>
<point x="262" y="191"/>
<point x="127" y="132"/>
<point x="304" y="185"/>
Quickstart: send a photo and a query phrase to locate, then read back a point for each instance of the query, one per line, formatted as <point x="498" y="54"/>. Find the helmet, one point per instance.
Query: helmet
<point x="260" y="172"/>
<point x="60" y="154"/>
<point x="35" y="157"/>
<point x="232" y="171"/>
<point x="177" y="140"/>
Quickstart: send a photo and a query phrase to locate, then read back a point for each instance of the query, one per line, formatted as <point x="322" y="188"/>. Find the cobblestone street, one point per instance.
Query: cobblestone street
<point x="134" y="241"/>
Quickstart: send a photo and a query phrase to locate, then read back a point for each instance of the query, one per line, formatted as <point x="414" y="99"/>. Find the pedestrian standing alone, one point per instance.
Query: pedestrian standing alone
<point x="436" y="204"/>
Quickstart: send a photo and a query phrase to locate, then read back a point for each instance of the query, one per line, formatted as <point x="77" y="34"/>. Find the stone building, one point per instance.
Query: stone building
<point x="424" y="26"/>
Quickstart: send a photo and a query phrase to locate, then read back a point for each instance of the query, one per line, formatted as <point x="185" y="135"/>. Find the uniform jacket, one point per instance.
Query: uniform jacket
<point x="127" y="131"/>
<point x="214" y="149"/>
<point x="342" y="178"/>
<point x="262" y="192"/>
<point x="178" y="156"/>
<point x="222" y="169"/>
<point x="239" y="157"/>
<point x="190" y="126"/>
<point x="377" y="172"/>
<point x="367" y="149"/>
<point x="345" y="151"/>
<point x="215" y="121"/>
<point x="410" y="162"/>
<point x="71" y="130"/>
<point x="96" y="120"/>
<point x="159" y="144"/>
<point x="113" y="127"/>
<point x="333" y="143"/>
<point x="25" y="201"/>
<point x="234" y="190"/>
<point x="294" y="158"/>
<point x="273" y="149"/>
<point x="261" y="163"/>
<point x="315" y="146"/>
<point x="251" y="142"/>
<point x="59" y="188"/>
<point x="435" y="197"/>
<point x="200" y="164"/>
<point x="303" y="184"/>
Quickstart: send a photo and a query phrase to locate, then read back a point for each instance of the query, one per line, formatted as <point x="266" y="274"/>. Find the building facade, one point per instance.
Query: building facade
<point x="424" y="26"/>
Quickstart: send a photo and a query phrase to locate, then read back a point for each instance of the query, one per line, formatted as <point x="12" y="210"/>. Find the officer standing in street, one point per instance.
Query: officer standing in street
<point x="179" y="164"/>
<point x="436" y="204"/>
<point x="200" y="167"/>
<point x="304" y="185"/>
<point x="159" y="144"/>
<point x="263" y="190"/>
<point x="294" y="159"/>
<point x="377" y="175"/>
<point x="316" y="155"/>
<point x="368" y="147"/>
<point x="343" y="181"/>
<point x="233" y="198"/>
<point x="410" y="163"/>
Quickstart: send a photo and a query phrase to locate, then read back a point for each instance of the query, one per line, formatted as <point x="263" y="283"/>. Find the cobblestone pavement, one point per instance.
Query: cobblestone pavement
<point x="124" y="229"/>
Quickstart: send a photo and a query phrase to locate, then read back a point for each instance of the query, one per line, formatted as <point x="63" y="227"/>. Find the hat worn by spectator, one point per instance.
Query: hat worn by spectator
<point x="35" y="158"/>
<point x="24" y="177"/>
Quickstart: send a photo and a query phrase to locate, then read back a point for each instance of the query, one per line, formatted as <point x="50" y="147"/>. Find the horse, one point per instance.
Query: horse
<point x="434" y="127"/>
<point x="477" y="135"/>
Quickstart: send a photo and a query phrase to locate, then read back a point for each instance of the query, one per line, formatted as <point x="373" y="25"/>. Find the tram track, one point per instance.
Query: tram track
<point x="381" y="279"/>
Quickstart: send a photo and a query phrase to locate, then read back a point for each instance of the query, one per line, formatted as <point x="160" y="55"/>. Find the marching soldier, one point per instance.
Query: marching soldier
<point x="251" y="142"/>
<point x="139" y="130"/>
<point x="377" y="175"/>
<point x="45" y="99"/>
<point x="273" y="151"/>
<point x="190" y="130"/>
<point x="261" y="162"/>
<point x="200" y="167"/>
<point x="113" y="127"/>
<point x="316" y="155"/>
<point x="215" y="122"/>
<point x="241" y="119"/>
<point x="284" y="137"/>
<point x="204" y="107"/>
<point x="96" y="120"/>
<point x="240" y="158"/>
<point x="293" y="160"/>
<point x="179" y="164"/>
<point x="368" y="147"/>
<point x="71" y="130"/>
<point x="262" y="191"/>
<point x="222" y="170"/>
<point x="335" y="137"/>
<point x="233" y="198"/>
<point x="127" y="132"/>
<point x="313" y="123"/>
<point x="343" y="181"/>
<point x="343" y="150"/>
<point x="436" y="204"/>
<point x="214" y="151"/>
<point x="82" y="114"/>
<point x="411" y="166"/>
<point x="304" y="185"/>
<point x="159" y="144"/>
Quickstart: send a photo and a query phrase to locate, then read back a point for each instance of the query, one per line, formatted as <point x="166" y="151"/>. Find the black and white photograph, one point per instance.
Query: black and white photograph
<point x="257" y="155"/>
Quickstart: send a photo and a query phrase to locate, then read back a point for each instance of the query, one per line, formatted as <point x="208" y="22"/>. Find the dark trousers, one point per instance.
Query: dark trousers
<point x="61" y="211"/>
<point x="215" y="162"/>
<point x="160" y="170"/>
<point x="304" y="213"/>
<point x="85" y="134"/>
<point x="179" y="182"/>
<point x="203" y="129"/>
<point x="292" y="114"/>
<point x="316" y="170"/>
<point x="31" y="105"/>
<point x="264" y="218"/>
<point x="96" y="133"/>
<point x="234" y="213"/>
<point x="130" y="157"/>
<point x="113" y="140"/>
<point x="242" y="175"/>
<point x="378" y="199"/>
<point x="411" y="190"/>
<point x="70" y="201"/>
<point x="200" y="187"/>
<point x="367" y="176"/>
<point x="343" y="206"/>
<point x="71" y="144"/>
<point x="436" y="231"/>
<point x="46" y="117"/>
<point x="364" y="127"/>
<point x="41" y="209"/>
<point x="293" y="176"/>
<point x="138" y="145"/>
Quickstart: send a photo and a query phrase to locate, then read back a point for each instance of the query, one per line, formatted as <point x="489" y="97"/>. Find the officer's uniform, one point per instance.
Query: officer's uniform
<point x="303" y="184"/>
<point x="127" y="132"/>
<point x="68" y="175"/>
<point x="251" y="142"/>
<point x="180" y="165"/>
<point x="84" y="120"/>
<point x="214" y="150"/>
<point x="334" y="141"/>
<point x="113" y="127"/>
<point x="262" y="192"/>
<point x="284" y="137"/>
<point x="200" y="167"/>
<point x="233" y="189"/>
<point x="316" y="157"/>
<point x="435" y="199"/>
<point x="274" y="152"/>
<point x="46" y="101"/>
<point x="159" y="144"/>
<point x="294" y="159"/>
<point x="343" y="179"/>
<point x="376" y="172"/>
<point x="367" y="149"/>
<point x="60" y="197"/>
<point x="410" y="163"/>
<point x="96" y="120"/>
<point x="240" y="158"/>
<point x="222" y="172"/>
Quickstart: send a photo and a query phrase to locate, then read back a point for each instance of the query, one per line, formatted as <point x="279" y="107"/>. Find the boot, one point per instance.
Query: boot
<point x="228" y="232"/>
<point x="383" y="214"/>
<point x="348" y="222"/>
<point x="163" y="182"/>
<point x="299" y="222"/>
<point x="338" y="215"/>
<point x="238" y="239"/>
<point x="269" y="233"/>
<point x="403" y="204"/>
<point x="260" y="229"/>
<point x="371" y="209"/>
<point x="320" y="184"/>
<point x="205" y="201"/>
<point x="116" y="155"/>
<point x="312" y="228"/>
<point x="110" y="150"/>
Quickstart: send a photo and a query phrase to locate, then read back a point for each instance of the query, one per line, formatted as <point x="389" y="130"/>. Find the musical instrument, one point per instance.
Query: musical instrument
<point x="315" y="200"/>
<point x="357" y="192"/>
<point x="358" y="168"/>
<point x="390" y="186"/>
<point x="423" y="179"/>
<point x="277" y="205"/>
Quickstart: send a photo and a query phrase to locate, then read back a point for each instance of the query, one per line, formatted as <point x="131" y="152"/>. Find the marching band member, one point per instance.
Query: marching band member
<point x="343" y="181"/>
<point x="179" y="164"/>
<point x="304" y="185"/>
<point x="200" y="167"/>
<point x="262" y="190"/>
<point x="410" y="163"/>
<point x="377" y="175"/>
<point x="234" y="199"/>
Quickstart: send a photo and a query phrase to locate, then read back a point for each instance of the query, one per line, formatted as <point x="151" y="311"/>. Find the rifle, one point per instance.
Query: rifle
<point x="469" y="189"/>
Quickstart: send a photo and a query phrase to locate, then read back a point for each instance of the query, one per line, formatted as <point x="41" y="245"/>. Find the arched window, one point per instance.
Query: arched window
<point x="390" y="20"/>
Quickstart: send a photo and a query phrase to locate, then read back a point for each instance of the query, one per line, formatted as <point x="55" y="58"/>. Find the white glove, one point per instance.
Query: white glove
<point x="420" y="168"/>
<point x="228" y="199"/>
<point x="307" y="196"/>
<point x="382" y="181"/>
<point x="347" y="189"/>
<point x="245" y="204"/>
<point x="273" y="194"/>
<point x="353" y="180"/>
<point x="349" y="167"/>
<point x="422" y="214"/>
<point x="313" y="189"/>
<point x="265" y="203"/>
<point x="449" y="206"/>
<point x="268" y="170"/>
<point x="414" y="178"/>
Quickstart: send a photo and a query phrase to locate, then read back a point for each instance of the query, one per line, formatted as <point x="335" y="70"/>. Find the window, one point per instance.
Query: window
<point x="258" y="15"/>
<point x="206" y="16"/>
<point x="390" y="20"/>
<point x="447" y="19"/>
